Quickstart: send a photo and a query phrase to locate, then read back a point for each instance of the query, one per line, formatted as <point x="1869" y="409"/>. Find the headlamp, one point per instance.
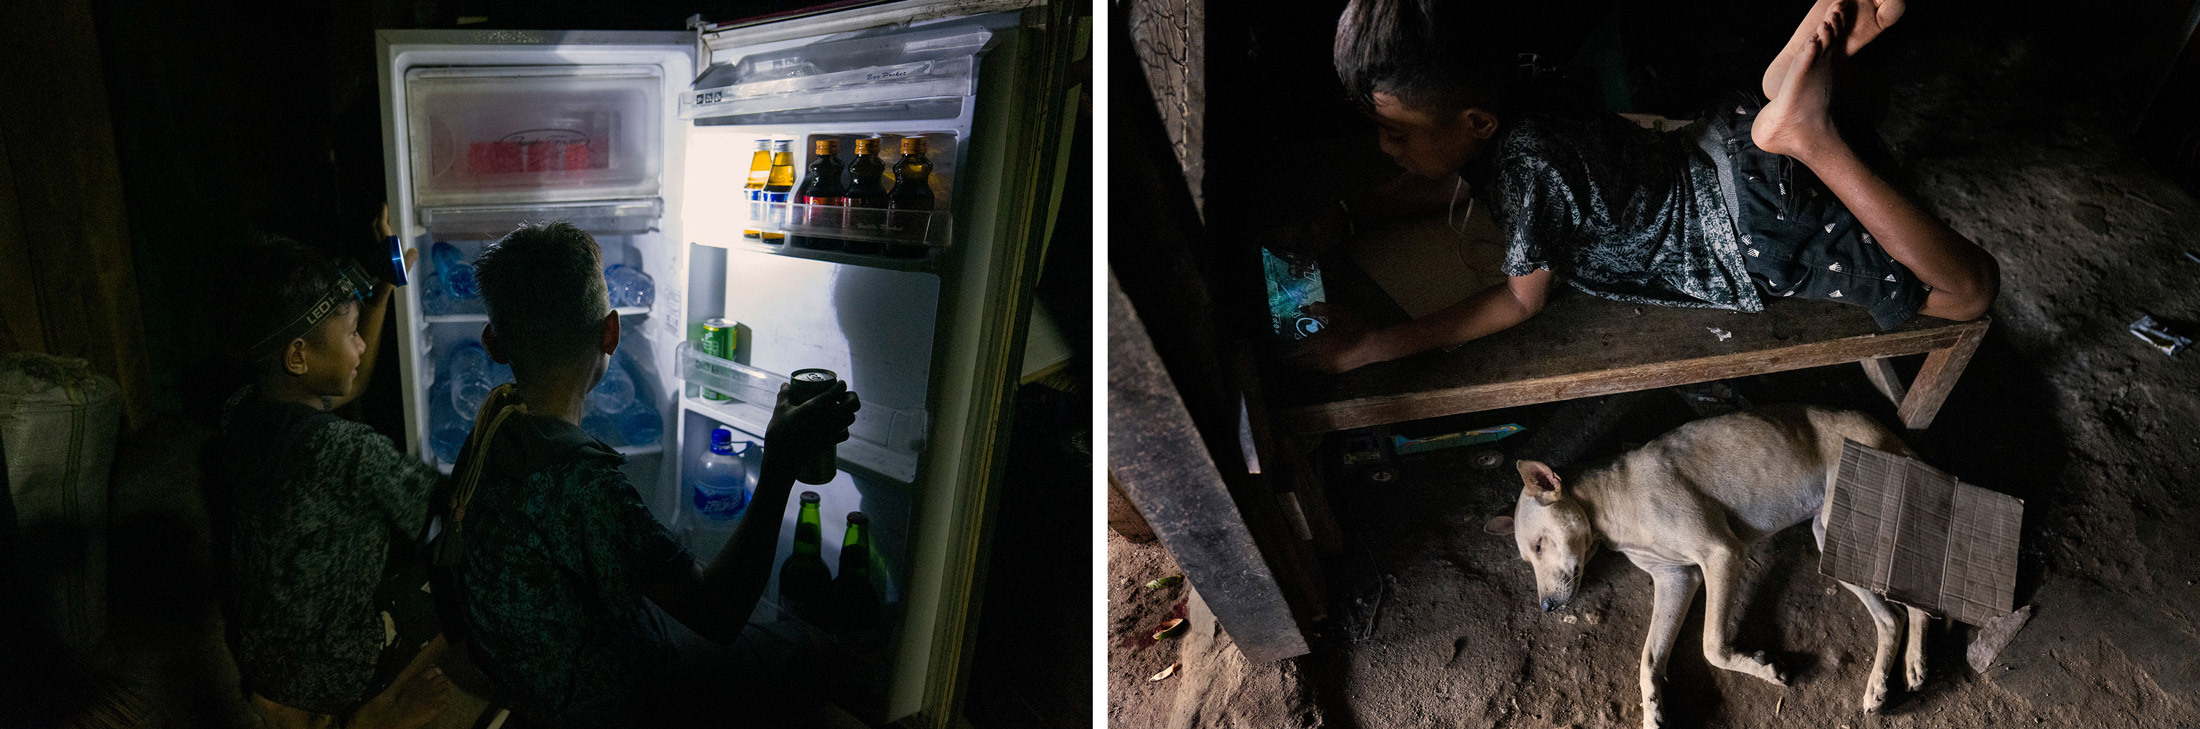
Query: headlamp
<point x="353" y="283"/>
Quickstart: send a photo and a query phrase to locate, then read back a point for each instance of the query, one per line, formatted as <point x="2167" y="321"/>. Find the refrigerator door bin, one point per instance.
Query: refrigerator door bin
<point x="526" y="134"/>
<point x="927" y="228"/>
<point x="491" y="222"/>
<point x="927" y="63"/>
<point x="883" y="440"/>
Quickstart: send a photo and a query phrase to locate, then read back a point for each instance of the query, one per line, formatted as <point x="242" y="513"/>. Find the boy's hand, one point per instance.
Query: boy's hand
<point x="799" y="429"/>
<point x="382" y="224"/>
<point x="1345" y="344"/>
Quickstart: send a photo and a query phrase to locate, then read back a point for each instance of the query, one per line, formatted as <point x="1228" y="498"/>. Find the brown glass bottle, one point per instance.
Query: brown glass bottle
<point x="855" y="601"/>
<point x="805" y="584"/>
<point x="824" y="196"/>
<point x="866" y="191"/>
<point x="909" y="205"/>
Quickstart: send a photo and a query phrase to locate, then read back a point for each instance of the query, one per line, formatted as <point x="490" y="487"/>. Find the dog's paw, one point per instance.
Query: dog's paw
<point x="1914" y="675"/>
<point x="1875" y="697"/>
<point x="1766" y="670"/>
<point x="1653" y="716"/>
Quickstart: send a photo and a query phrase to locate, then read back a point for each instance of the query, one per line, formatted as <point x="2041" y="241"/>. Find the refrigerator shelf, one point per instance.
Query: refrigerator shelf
<point x="624" y="311"/>
<point x="926" y="263"/>
<point x="628" y="451"/>
<point x="883" y="440"/>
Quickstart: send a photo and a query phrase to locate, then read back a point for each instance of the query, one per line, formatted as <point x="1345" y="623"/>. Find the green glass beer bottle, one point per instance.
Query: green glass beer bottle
<point x="804" y="581"/>
<point x="855" y="600"/>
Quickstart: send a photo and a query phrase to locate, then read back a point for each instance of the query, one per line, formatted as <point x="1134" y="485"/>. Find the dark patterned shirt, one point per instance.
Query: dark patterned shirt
<point x="557" y="552"/>
<point x="315" y="502"/>
<point x="1617" y="210"/>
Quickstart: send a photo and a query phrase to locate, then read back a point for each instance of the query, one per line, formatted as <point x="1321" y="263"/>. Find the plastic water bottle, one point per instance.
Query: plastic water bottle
<point x="458" y="274"/>
<point x="446" y="432"/>
<point x="629" y="286"/>
<point x="612" y="393"/>
<point x="721" y="480"/>
<point x="433" y="297"/>
<point x="639" y="424"/>
<point x="470" y="384"/>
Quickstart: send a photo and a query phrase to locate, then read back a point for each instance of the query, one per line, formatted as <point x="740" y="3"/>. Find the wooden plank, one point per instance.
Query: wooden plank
<point x="1298" y="489"/>
<point x="1162" y="464"/>
<point x="1880" y="370"/>
<point x="1123" y="516"/>
<point x="1582" y="346"/>
<point x="1938" y="377"/>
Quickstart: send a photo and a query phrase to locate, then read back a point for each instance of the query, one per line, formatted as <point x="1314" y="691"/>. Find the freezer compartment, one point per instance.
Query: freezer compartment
<point x="530" y="134"/>
<point x="846" y="75"/>
<point x="883" y="440"/>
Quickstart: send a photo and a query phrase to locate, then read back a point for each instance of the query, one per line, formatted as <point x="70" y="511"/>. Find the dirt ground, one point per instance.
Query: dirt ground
<point x="2014" y="135"/>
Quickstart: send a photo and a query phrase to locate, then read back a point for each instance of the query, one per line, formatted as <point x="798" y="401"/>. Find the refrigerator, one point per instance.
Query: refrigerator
<point x="646" y="141"/>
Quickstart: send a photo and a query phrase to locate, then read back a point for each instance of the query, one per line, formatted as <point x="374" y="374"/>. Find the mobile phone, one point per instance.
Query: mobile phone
<point x="1293" y="289"/>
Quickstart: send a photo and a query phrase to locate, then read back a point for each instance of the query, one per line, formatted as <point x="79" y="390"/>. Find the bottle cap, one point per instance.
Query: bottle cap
<point x="809" y="497"/>
<point x="828" y="147"/>
<point x="782" y="145"/>
<point x="912" y="145"/>
<point x="856" y="518"/>
<point x="721" y="440"/>
<point x="867" y="145"/>
<point x="763" y="145"/>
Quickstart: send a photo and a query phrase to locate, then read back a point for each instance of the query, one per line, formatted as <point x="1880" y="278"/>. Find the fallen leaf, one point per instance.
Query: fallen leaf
<point x="1161" y="582"/>
<point x="1171" y="629"/>
<point x="1165" y="673"/>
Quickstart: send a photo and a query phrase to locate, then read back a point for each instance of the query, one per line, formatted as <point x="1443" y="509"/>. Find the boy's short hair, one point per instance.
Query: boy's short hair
<point x="269" y="281"/>
<point x="1425" y="52"/>
<point x="544" y="287"/>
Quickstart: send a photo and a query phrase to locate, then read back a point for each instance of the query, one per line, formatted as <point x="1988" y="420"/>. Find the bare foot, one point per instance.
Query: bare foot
<point x="417" y="697"/>
<point x="1797" y="122"/>
<point x="1865" y="20"/>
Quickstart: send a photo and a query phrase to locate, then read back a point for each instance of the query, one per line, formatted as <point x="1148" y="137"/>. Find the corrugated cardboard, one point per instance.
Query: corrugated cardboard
<point x="1905" y="530"/>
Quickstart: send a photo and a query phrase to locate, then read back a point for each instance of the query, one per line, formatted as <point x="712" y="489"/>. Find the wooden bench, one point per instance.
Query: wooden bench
<point x="1584" y="346"/>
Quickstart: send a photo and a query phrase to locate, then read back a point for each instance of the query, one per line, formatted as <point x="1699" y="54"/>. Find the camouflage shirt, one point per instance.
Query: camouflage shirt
<point x="315" y="504"/>
<point x="556" y="555"/>
<point x="1617" y="210"/>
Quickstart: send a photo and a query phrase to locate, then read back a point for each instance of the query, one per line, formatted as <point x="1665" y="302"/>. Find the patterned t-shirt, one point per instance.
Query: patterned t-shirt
<point x="556" y="556"/>
<point x="1617" y="210"/>
<point x="315" y="502"/>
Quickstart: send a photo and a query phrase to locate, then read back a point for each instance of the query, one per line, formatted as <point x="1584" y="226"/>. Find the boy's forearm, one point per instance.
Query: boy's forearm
<point x="1487" y="312"/>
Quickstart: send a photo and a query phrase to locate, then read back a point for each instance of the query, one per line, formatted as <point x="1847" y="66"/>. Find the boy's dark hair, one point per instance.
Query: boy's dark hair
<point x="544" y="287"/>
<point x="268" y="282"/>
<point x="1425" y="52"/>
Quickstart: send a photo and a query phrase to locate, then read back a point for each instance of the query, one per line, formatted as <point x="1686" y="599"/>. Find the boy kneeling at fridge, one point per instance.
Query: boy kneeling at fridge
<point x="546" y="551"/>
<point x="323" y="515"/>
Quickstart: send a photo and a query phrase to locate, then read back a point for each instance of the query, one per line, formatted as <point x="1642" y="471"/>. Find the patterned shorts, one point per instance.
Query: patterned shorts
<point x="1797" y="239"/>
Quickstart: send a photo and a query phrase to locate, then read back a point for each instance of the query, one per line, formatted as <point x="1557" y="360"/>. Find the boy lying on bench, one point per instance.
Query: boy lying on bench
<point x="1717" y="214"/>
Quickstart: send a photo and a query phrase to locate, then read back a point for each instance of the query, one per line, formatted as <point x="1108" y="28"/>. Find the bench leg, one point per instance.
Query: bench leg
<point x="1880" y="370"/>
<point x="1936" y="379"/>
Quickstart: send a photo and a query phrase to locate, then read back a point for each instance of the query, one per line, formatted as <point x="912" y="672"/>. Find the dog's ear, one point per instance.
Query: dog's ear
<point x="1499" y="525"/>
<point x="1540" y="482"/>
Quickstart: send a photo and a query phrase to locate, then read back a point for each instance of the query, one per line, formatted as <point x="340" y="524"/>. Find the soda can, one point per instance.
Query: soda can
<point x="806" y="384"/>
<point x="718" y="341"/>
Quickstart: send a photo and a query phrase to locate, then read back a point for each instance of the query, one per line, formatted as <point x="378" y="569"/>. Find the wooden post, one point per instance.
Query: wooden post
<point x="1938" y="377"/>
<point x="1162" y="464"/>
<point x="1123" y="516"/>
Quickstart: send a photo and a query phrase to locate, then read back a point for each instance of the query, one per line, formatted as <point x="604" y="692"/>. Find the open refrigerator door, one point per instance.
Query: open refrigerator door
<point x="912" y="288"/>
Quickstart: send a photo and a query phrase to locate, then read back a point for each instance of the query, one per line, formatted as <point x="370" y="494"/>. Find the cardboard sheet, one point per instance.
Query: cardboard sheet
<point x="1920" y="537"/>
